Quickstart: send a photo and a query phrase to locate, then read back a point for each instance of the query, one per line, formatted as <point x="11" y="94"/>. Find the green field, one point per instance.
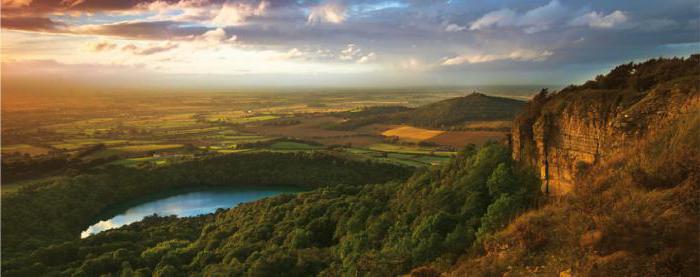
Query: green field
<point x="385" y="147"/>
<point x="147" y="147"/>
<point x="290" y="145"/>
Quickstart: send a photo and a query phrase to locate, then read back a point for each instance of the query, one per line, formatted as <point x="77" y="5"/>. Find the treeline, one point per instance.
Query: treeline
<point x="17" y="168"/>
<point x="645" y="75"/>
<point x="267" y="143"/>
<point x="441" y="115"/>
<point x="56" y="210"/>
<point x="355" y="230"/>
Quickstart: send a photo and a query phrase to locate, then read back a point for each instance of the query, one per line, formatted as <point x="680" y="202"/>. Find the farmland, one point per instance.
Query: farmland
<point x="159" y="129"/>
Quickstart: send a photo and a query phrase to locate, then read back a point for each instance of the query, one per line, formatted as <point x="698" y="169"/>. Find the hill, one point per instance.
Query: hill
<point x="442" y="114"/>
<point x="456" y="111"/>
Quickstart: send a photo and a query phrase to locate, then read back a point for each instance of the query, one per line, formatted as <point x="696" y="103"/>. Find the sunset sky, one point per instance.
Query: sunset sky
<point x="225" y="44"/>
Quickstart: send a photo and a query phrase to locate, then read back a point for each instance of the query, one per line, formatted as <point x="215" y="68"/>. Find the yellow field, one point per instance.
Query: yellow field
<point x="412" y="133"/>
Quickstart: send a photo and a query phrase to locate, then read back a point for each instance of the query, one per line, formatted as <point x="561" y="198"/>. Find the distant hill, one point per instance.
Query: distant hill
<point x="446" y="113"/>
<point x="456" y="111"/>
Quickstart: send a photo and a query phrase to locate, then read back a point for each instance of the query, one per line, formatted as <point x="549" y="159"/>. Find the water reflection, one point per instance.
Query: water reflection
<point x="185" y="204"/>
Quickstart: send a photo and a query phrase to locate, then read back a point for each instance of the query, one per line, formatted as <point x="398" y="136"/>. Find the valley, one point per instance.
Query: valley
<point x="584" y="176"/>
<point x="170" y="130"/>
<point x="349" y="138"/>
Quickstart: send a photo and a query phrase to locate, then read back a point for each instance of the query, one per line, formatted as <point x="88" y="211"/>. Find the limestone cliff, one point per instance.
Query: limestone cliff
<point x="564" y="133"/>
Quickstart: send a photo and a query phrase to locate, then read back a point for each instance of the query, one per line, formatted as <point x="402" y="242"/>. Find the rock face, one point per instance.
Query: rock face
<point x="564" y="133"/>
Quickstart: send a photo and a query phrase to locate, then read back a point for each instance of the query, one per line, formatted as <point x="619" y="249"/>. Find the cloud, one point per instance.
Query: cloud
<point x="232" y="14"/>
<point x="350" y="52"/>
<point x="15" y="3"/>
<point x="545" y="17"/>
<point x="39" y="24"/>
<point x="102" y="46"/>
<point x="330" y="11"/>
<point x="600" y="20"/>
<point x="542" y="18"/>
<point x="141" y="29"/>
<point x="216" y="36"/>
<point x="294" y="53"/>
<point x="500" y="18"/>
<point x="454" y="28"/>
<point x="368" y="58"/>
<point x="515" y="55"/>
<point x="72" y="3"/>
<point x="149" y="50"/>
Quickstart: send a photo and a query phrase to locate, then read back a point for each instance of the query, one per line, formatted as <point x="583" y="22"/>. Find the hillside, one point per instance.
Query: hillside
<point x="455" y="111"/>
<point x="625" y="151"/>
<point x="442" y="114"/>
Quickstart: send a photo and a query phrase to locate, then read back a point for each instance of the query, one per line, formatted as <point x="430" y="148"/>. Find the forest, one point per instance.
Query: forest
<point x="53" y="210"/>
<point x="375" y="229"/>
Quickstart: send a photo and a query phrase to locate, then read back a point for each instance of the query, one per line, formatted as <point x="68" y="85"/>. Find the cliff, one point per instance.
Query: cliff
<point x="627" y="147"/>
<point x="564" y="133"/>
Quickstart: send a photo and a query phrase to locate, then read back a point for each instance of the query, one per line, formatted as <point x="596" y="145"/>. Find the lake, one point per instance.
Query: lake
<point x="182" y="203"/>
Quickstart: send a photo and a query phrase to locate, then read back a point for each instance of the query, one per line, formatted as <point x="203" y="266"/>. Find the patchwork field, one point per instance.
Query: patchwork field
<point x="155" y="130"/>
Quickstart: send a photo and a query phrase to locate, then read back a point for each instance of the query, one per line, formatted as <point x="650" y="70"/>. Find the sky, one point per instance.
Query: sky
<point x="336" y="43"/>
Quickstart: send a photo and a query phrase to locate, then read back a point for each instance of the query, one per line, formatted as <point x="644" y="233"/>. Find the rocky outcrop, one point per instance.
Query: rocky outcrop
<point x="565" y="133"/>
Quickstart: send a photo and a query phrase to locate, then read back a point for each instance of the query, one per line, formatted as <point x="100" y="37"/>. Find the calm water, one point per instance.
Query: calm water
<point x="182" y="203"/>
